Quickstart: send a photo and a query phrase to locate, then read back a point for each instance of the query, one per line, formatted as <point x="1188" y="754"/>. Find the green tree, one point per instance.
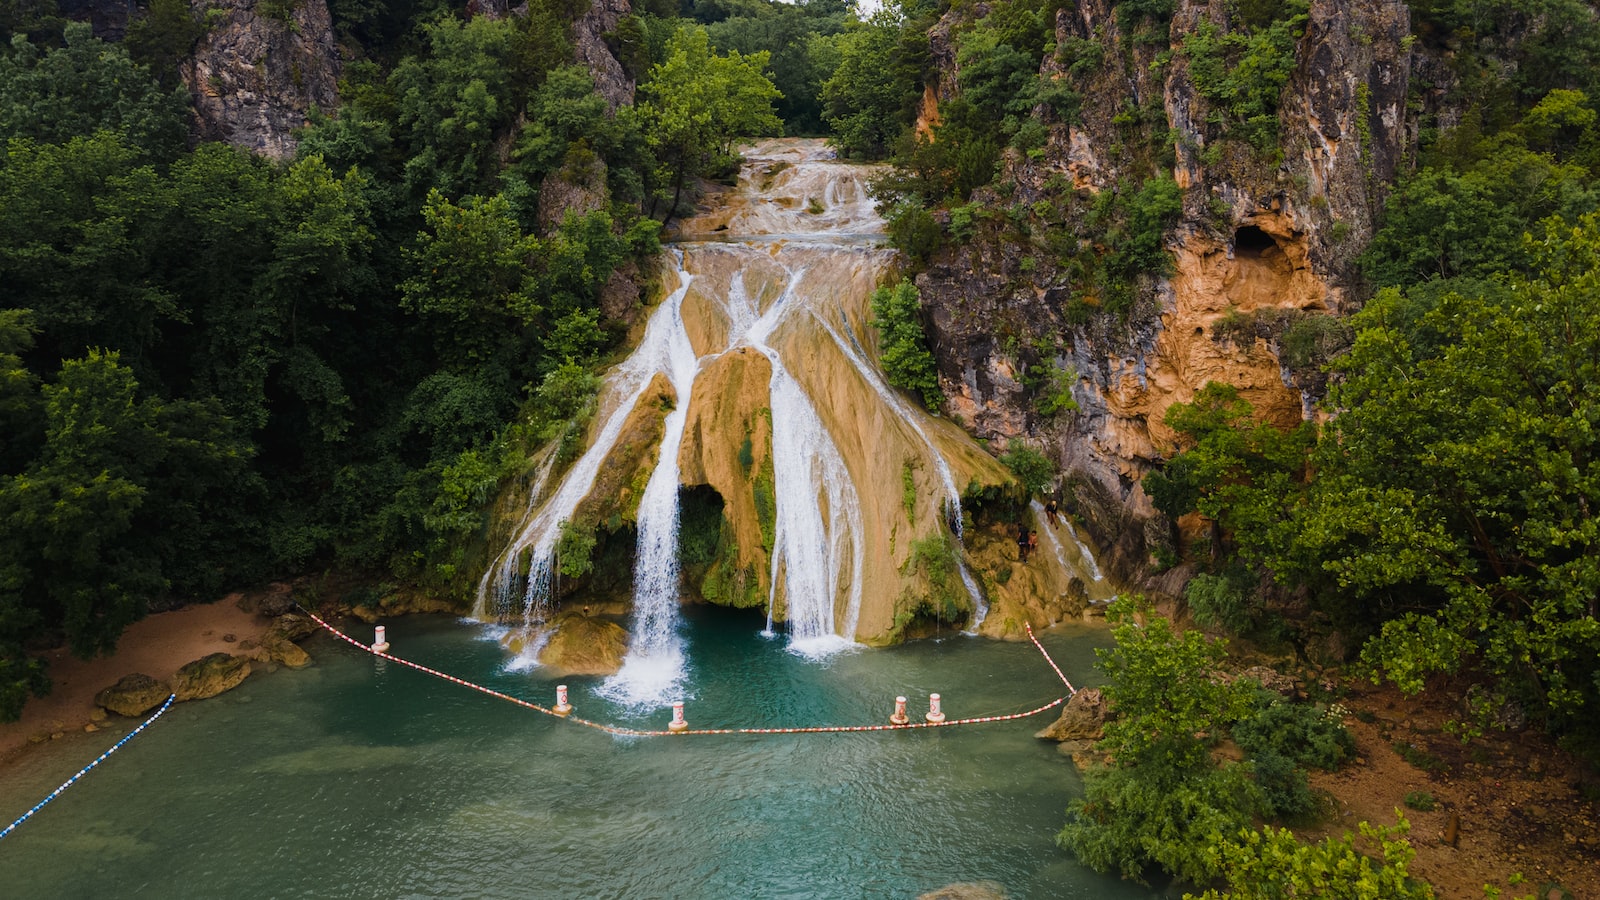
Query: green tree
<point x="117" y="507"/>
<point x="903" y="347"/>
<point x="1457" y="490"/>
<point x="1161" y="802"/>
<point x="695" y="106"/>
<point x="55" y="95"/>
<point x="1270" y="863"/>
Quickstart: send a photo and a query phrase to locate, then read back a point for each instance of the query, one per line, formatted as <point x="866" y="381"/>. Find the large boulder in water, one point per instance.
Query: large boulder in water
<point x="209" y="676"/>
<point x="134" y="695"/>
<point x="584" y="645"/>
<point x="1083" y="719"/>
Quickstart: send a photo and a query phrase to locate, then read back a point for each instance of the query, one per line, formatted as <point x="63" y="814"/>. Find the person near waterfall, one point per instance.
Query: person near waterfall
<point x="1024" y="542"/>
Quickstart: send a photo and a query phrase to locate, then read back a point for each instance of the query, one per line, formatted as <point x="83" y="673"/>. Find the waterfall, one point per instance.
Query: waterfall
<point x="782" y="269"/>
<point x="654" y="666"/>
<point x="541" y="530"/>
<point x="853" y="351"/>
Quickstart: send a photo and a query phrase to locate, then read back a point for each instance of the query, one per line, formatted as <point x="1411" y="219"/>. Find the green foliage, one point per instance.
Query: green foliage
<point x="127" y="498"/>
<point x="1421" y="801"/>
<point x="1033" y="469"/>
<point x="1271" y="863"/>
<point x="1243" y="72"/>
<point x="908" y="489"/>
<point x="695" y="105"/>
<point x="1130" y="822"/>
<point x="164" y="38"/>
<point x="913" y="230"/>
<point x="452" y="103"/>
<point x="1054" y="392"/>
<point x="804" y="53"/>
<point x="1163" y="803"/>
<point x="55" y="95"/>
<point x="903" y="348"/>
<point x="575" y="549"/>
<point x="945" y="600"/>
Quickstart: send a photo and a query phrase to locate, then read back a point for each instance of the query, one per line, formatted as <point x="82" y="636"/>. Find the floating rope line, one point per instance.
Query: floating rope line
<point x="634" y="732"/>
<point x="85" y="770"/>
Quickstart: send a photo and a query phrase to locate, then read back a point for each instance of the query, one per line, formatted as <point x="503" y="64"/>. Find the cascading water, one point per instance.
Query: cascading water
<point x="654" y="665"/>
<point x="823" y="506"/>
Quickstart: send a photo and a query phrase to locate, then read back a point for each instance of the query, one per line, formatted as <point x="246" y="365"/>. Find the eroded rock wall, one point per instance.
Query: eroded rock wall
<point x="255" y="77"/>
<point x="1252" y="237"/>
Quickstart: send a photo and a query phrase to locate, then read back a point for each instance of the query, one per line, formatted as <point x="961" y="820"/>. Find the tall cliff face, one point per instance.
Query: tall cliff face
<point x="255" y="77"/>
<point x="588" y="44"/>
<point x="1263" y="241"/>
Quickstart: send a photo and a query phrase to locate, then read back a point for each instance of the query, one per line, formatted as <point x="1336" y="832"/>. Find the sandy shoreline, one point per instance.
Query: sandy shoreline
<point x="157" y="645"/>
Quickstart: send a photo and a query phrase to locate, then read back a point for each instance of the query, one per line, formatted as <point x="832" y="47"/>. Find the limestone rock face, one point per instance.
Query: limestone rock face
<point x="588" y="38"/>
<point x="133" y="695"/>
<point x="1255" y="244"/>
<point x="254" y="77"/>
<point x="1083" y="718"/>
<point x="584" y="645"/>
<point x="209" y="676"/>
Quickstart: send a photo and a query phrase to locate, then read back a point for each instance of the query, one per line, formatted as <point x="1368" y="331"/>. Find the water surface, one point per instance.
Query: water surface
<point x="357" y="778"/>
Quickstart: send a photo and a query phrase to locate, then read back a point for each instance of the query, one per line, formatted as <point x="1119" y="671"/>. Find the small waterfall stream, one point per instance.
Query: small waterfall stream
<point x="778" y="273"/>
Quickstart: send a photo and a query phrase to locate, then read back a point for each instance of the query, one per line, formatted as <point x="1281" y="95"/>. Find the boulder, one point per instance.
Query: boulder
<point x="133" y="695"/>
<point x="1083" y="719"/>
<point x="583" y="645"/>
<point x="282" y="650"/>
<point x="209" y="676"/>
<point x="292" y="627"/>
<point x="1271" y="680"/>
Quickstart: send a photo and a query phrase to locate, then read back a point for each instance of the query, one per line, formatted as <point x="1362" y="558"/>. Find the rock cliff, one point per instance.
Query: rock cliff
<point x="1264" y="240"/>
<point x="259" y="71"/>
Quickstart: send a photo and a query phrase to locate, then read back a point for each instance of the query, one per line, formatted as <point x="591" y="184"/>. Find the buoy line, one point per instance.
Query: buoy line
<point x="935" y="719"/>
<point x="85" y="770"/>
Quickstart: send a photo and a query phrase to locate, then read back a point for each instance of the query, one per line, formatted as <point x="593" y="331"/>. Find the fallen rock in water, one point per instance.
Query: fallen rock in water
<point x="209" y="676"/>
<point x="403" y="604"/>
<point x="1083" y="718"/>
<point x="276" y="648"/>
<point x="133" y="695"/>
<point x="291" y="627"/>
<point x="582" y="645"/>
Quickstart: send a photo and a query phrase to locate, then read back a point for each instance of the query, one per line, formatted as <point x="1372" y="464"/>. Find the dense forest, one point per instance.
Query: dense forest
<point x="219" y="368"/>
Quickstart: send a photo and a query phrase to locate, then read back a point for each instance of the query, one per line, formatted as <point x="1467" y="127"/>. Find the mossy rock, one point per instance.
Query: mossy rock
<point x="584" y="645"/>
<point x="133" y="695"/>
<point x="209" y="676"/>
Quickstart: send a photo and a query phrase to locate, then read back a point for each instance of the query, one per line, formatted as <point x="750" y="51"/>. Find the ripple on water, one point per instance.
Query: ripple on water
<point x="355" y="780"/>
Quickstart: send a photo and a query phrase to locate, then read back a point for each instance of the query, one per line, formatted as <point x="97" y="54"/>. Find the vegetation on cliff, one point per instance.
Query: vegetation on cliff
<point x="219" y="368"/>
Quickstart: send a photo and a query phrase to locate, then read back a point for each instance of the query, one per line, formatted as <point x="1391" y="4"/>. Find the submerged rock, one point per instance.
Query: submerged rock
<point x="133" y="695"/>
<point x="1083" y="719"/>
<point x="967" y="890"/>
<point x="582" y="645"/>
<point x="209" y="676"/>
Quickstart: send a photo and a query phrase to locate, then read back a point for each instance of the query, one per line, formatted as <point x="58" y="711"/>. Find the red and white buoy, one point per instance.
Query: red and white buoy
<point x="934" y="713"/>
<point x="899" y="717"/>
<point x="380" y="641"/>
<point x="562" y="706"/>
<point x="677" y="723"/>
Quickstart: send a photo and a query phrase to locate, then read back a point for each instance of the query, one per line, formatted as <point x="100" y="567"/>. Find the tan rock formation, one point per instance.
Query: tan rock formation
<point x="133" y="695"/>
<point x="1082" y="719"/>
<point x="210" y="676"/>
<point x="584" y="645"/>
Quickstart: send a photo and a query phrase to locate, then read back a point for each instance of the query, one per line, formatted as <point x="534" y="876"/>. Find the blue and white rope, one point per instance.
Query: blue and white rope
<point x="85" y="770"/>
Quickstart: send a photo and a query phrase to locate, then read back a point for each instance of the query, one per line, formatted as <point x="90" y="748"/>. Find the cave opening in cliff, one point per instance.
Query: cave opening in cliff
<point x="1252" y="242"/>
